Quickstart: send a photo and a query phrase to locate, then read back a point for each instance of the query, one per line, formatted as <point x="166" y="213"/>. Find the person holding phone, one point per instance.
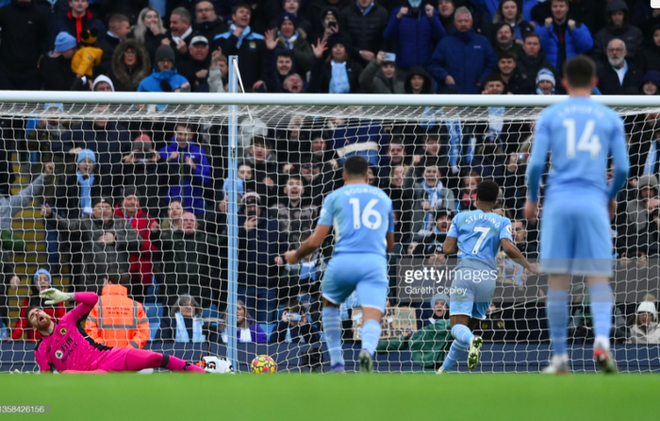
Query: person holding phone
<point x="295" y="326"/>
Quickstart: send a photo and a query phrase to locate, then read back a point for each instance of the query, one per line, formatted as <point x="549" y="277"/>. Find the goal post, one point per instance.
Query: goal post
<point x="272" y="159"/>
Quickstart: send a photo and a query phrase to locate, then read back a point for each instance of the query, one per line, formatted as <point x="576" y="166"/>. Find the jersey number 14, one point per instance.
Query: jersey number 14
<point x="370" y="217"/>
<point x="588" y="141"/>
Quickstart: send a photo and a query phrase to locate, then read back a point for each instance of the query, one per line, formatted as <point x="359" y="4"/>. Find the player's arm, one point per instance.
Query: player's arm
<point x="450" y="245"/>
<point x="620" y="158"/>
<point x="514" y="254"/>
<point x="311" y="244"/>
<point x="390" y="241"/>
<point x="536" y="165"/>
<point x="87" y="301"/>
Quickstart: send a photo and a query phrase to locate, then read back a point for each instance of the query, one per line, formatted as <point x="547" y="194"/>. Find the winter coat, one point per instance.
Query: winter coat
<point x="74" y="26"/>
<point x="468" y="57"/>
<point x="67" y="200"/>
<point x="446" y="201"/>
<point x="416" y="37"/>
<point x="189" y="68"/>
<point x="108" y="44"/>
<point x="319" y="81"/>
<point x="187" y="186"/>
<point x="630" y="35"/>
<point x="307" y="333"/>
<point x="56" y="73"/>
<point x="427" y="88"/>
<point x="578" y="41"/>
<point x="294" y="221"/>
<point x="251" y="54"/>
<point x="257" y="250"/>
<point x="650" y="54"/>
<point x="608" y="80"/>
<point x="373" y="81"/>
<point x="428" y="346"/>
<point x="651" y="336"/>
<point x="24" y="35"/>
<point x="125" y="78"/>
<point x="365" y="30"/>
<point x="86" y="61"/>
<point x="528" y="68"/>
<point x="162" y="82"/>
<point x="141" y="266"/>
<point x="303" y="56"/>
<point x="210" y="30"/>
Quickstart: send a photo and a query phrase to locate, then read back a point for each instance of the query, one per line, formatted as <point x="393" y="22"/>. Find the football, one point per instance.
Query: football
<point x="263" y="364"/>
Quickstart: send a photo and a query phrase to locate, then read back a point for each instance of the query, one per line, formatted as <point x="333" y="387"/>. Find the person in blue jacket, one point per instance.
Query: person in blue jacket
<point x="416" y="30"/>
<point x="165" y="77"/>
<point x="563" y="38"/>
<point x="463" y="60"/>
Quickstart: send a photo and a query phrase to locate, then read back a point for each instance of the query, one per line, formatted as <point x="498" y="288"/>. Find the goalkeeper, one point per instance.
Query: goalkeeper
<point x="66" y="348"/>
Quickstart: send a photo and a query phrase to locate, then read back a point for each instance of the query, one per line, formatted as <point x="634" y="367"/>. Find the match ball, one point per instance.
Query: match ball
<point x="263" y="364"/>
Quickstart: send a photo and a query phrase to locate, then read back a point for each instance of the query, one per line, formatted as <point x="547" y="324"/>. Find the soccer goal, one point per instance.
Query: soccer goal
<point x="203" y="193"/>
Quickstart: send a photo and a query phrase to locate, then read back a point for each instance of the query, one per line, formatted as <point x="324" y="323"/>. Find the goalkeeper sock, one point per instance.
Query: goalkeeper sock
<point x="332" y="334"/>
<point x="601" y="311"/>
<point x="462" y="333"/>
<point x="370" y="335"/>
<point x="175" y="364"/>
<point x="556" y="308"/>
<point x="457" y="352"/>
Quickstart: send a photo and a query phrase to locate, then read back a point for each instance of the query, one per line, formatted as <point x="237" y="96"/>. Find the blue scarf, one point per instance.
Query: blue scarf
<point x="539" y="92"/>
<point x="365" y="11"/>
<point x="434" y="198"/>
<point x="288" y="43"/>
<point x="455" y="136"/>
<point x="651" y="159"/>
<point x="339" y="81"/>
<point x="246" y="31"/>
<point x="182" y="332"/>
<point x="471" y="147"/>
<point x="85" y="192"/>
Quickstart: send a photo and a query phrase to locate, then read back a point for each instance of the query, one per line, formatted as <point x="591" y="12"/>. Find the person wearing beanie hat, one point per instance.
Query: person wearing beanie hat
<point x="289" y="38"/>
<point x="55" y="67"/>
<point x="440" y="306"/>
<point x="639" y="209"/>
<point x="650" y="84"/>
<point x="646" y="329"/>
<point x="165" y="77"/>
<point x="338" y="73"/>
<point x="293" y="7"/>
<point x="41" y="281"/>
<point x="102" y="83"/>
<point x="545" y="82"/>
<point x="74" y="197"/>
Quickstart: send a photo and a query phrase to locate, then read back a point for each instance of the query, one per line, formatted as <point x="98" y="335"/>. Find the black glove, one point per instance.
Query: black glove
<point x="165" y="86"/>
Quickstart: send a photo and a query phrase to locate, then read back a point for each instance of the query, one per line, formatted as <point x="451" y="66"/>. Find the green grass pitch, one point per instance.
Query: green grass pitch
<point x="401" y="397"/>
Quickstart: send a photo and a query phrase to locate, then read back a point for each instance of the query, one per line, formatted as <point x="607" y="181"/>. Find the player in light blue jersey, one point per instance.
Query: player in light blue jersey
<point x="363" y="222"/>
<point x="476" y="236"/>
<point x="581" y="135"/>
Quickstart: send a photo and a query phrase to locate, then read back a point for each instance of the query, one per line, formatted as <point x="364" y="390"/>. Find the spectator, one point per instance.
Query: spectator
<point x="494" y="86"/>
<point x="260" y="249"/>
<point x="289" y="38"/>
<point x="149" y="30"/>
<point x="446" y="10"/>
<point x="318" y="11"/>
<point x="86" y="60"/>
<point x="293" y="7"/>
<point x="218" y="72"/>
<point x="505" y="40"/>
<point x="646" y="329"/>
<point x="545" y="83"/>
<point x="76" y="22"/>
<point x="650" y="55"/>
<point x="196" y="67"/>
<point x="44" y="138"/>
<point x="429" y="243"/>
<point x="207" y="23"/>
<point x="74" y="197"/>
<point x="55" y="67"/>
<point x="247" y="330"/>
<point x="164" y="77"/>
<point x="418" y="81"/>
<point x="185" y="324"/>
<point x="416" y="32"/>
<point x="329" y="24"/>
<point x="264" y="163"/>
<point x="650" y="84"/>
<point x="429" y="196"/>
<point x="141" y="268"/>
<point x="105" y="241"/>
<point x="23" y="40"/>
<point x="102" y="83"/>
<point x="506" y="69"/>
<point x="338" y="74"/>
<point x="174" y="220"/>
<point x="295" y="326"/>
<point x="530" y="62"/>
<point x="619" y="76"/>
<point x="41" y="281"/>
<point x="639" y="209"/>
<point x="440" y="306"/>
<point x="118" y="31"/>
<point x="508" y="12"/>
<point x="129" y="8"/>
<point x="467" y="197"/>
<point x="365" y="21"/>
<point x="294" y="213"/>
<point x="140" y="171"/>
<point x="242" y="41"/>
<point x="279" y="69"/>
<point x="381" y="76"/>
<point x="191" y="262"/>
<point x="526" y="247"/>
<point x="188" y="169"/>
<point x="563" y="38"/>
<point x="293" y="84"/>
<point x="619" y="27"/>
<point x="129" y="66"/>
<point x="262" y="13"/>
<point x="117" y="320"/>
<point x="464" y="59"/>
<point x="180" y="33"/>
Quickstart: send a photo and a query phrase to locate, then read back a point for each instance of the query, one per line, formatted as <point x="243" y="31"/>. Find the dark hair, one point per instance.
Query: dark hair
<point x="531" y="34"/>
<point x="488" y="191"/>
<point x="580" y="71"/>
<point x="495" y="77"/>
<point x="29" y="309"/>
<point x="506" y="54"/>
<point x="113" y="275"/>
<point x="568" y="3"/>
<point x="356" y="167"/>
<point x="241" y="5"/>
<point x="502" y="25"/>
<point x="442" y="212"/>
<point x="260" y="140"/>
<point x="285" y="53"/>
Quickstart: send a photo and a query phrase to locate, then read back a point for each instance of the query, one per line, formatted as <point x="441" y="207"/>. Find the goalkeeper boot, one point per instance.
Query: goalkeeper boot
<point x="558" y="365"/>
<point x="366" y="363"/>
<point x="473" y="354"/>
<point x="605" y="361"/>
<point x="217" y="365"/>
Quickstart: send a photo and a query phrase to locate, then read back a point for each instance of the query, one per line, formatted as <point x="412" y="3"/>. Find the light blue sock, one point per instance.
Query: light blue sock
<point x="456" y="352"/>
<point x="556" y="308"/>
<point x="602" y="301"/>
<point x="332" y="334"/>
<point x="370" y="335"/>
<point x="462" y="333"/>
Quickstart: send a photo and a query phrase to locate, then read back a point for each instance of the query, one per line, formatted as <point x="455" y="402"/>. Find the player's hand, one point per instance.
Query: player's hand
<point x="612" y="208"/>
<point x="531" y="209"/>
<point x="534" y="268"/>
<point x="571" y="24"/>
<point x="53" y="296"/>
<point x="291" y="257"/>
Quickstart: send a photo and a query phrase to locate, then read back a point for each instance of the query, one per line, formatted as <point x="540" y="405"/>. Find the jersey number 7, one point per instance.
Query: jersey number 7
<point x="484" y="232"/>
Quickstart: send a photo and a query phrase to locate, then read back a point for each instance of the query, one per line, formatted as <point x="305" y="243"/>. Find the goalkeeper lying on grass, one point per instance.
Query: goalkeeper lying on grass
<point x="66" y="348"/>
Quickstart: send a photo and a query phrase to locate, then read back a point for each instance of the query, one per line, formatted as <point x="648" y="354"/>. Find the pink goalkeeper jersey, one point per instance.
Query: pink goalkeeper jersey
<point x="69" y="347"/>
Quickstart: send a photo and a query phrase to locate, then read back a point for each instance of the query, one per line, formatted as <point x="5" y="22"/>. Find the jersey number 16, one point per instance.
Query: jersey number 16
<point x="370" y="217"/>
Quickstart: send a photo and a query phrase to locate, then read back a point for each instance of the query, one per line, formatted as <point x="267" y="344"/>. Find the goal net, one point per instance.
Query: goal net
<point x="138" y="199"/>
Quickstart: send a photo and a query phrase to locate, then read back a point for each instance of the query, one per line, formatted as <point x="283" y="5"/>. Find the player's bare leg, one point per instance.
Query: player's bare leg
<point x="602" y="301"/>
<point x="373" y="317"/>
<point x="557" y="309"/>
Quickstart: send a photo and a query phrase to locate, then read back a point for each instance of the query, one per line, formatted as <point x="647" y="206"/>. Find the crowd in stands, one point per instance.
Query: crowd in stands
<point x="139" y="207"/>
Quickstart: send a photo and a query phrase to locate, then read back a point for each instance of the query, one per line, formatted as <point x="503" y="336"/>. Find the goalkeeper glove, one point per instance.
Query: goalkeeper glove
<point x="55" y="296"/>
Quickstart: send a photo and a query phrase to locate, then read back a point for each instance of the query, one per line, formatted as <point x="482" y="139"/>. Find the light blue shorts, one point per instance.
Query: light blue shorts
<point x="472" y="290"/>
<point x="364" y="272"/>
